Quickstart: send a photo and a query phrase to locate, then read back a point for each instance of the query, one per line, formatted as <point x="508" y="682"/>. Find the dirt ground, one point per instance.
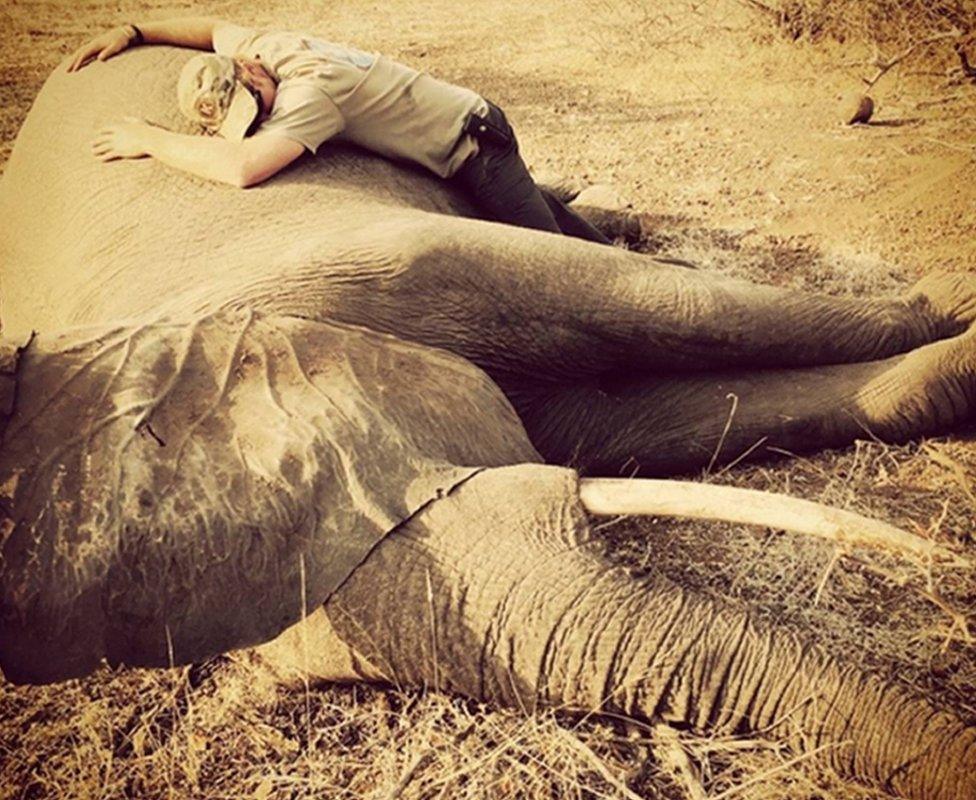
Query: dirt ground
<point x="730" y="138"/>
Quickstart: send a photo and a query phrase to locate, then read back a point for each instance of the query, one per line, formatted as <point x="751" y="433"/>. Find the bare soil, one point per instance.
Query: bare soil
<point x="731" y="139"/>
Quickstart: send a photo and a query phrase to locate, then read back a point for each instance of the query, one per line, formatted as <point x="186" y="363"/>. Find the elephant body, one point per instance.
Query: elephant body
<point x="338" y="391"/>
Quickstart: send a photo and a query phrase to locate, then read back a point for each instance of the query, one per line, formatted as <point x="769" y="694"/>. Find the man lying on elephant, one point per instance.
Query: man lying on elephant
<point x="270" y="96"/>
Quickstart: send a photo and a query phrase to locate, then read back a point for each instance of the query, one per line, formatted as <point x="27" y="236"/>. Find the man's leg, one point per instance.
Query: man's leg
<point x="498" y="181"/>
<point x="571" y="223"/>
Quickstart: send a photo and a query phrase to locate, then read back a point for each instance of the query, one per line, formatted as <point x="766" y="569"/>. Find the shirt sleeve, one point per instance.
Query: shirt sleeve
<point x="304" y="114"/>
<point x="230" y="39"/>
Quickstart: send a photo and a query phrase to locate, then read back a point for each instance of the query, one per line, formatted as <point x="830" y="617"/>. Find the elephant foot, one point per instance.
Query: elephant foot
<point x="950" y="297"/>
<point x="929" y="391"/>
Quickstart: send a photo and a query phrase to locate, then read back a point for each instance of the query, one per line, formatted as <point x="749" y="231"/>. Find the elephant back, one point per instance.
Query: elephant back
<point x="85" y="241"/>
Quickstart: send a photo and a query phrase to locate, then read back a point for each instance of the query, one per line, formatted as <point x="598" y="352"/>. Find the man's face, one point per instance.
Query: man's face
<point x="262" y="85"/>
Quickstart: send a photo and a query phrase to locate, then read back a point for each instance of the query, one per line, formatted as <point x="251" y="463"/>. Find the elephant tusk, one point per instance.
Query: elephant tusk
<point x="623" y="496"/>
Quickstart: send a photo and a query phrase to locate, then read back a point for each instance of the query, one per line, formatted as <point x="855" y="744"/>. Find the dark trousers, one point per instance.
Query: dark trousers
<point x="497" y="180"/>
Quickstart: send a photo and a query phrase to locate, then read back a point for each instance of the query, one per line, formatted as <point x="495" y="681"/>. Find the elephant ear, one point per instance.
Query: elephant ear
<point x="172" y="491"/>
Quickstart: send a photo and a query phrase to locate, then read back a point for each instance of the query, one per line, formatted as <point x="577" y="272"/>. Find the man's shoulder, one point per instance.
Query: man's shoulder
<point x="229" y="38"/>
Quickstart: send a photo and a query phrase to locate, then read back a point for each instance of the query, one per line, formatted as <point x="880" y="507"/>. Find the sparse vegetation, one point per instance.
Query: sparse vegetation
<point x="876" y="21"/>
<point x="944" y="29"/>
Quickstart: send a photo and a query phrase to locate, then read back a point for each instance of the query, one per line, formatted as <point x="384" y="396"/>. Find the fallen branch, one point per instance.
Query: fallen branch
<point x="968" y="70"/>
<point x="763" y="9"/>
<point x="885" y="65"/>
<point x="688" y="499"/>
<point x="594" y="761"/>
<point x="675" y="759"/>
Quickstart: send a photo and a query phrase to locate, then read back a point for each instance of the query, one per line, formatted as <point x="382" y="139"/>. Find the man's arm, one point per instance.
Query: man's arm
<point x="241" y="164"/>
<point x="195" y="32"/>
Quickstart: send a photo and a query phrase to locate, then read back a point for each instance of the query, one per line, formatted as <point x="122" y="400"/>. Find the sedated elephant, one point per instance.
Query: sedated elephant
<point x="340" y="397"/>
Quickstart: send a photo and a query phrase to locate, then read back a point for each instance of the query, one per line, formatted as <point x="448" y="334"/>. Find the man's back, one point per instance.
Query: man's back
<point x="327" y="90"/>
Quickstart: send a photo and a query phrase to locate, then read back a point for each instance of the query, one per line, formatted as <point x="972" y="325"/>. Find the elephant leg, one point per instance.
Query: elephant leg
<point x="494" y="593"/>
<point x="520" y="302"/>
<point x="660" y="425"/>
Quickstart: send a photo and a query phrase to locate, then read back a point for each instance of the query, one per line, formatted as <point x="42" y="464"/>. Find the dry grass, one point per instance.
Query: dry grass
<point x="878" y="21"/>
<point x="228" y="730"/>
<point x="890" y="615"/>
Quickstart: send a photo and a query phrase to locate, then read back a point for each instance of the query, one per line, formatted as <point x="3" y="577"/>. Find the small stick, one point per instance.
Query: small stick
<point x="763" y="8"/>
<point x="725" y="431"/>
<point x="765" y="775"/>
<point x="420" y="761"/>
<point x="826" y="575"/>
<point x="952" y="146"/>
<point x="967" y="69"/>
<point x="594" y="761"/>
<point x="677" y="761"/>
<point x="884" y="65"/>
<point x="958" y="620"/>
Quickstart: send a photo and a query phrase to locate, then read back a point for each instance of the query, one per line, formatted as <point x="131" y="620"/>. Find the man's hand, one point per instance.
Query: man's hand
<point x="182" y="32"/>
<point x="102" y="47"/>
<point x="242" y="164"/>
<point x="126" y="139"/>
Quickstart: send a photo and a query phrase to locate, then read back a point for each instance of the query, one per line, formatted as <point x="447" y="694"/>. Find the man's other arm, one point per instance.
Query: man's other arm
<point x="240" y="164"/>
<point x="195" y="32"/>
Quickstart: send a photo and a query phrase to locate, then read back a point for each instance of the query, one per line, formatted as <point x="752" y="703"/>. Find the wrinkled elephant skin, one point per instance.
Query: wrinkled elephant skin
<point x="339" y="391"/>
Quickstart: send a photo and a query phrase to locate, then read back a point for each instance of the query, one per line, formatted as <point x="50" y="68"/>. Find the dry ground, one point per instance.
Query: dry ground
<point x="730" y="136"/>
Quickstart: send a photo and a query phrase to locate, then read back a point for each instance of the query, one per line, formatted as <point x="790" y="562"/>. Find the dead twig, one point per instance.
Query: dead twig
<point x="954" y="467"/>
<point x="764" y="776"/>
<point x="968" y="70"/>
<point x="884" y="65"/>
<point x="941" y="101"/>
<point x="958" y="621"/>
<point x="675" y="759"/>
<point x="821" y="585"/>
<point x="962" y="148"/>
<point x="762" y="8"/>
<point x="725" y="431"/>
<point x="594" y="761"/>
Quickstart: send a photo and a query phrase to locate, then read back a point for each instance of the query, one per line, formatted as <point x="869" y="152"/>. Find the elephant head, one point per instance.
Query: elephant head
<point x="334" y="399"/>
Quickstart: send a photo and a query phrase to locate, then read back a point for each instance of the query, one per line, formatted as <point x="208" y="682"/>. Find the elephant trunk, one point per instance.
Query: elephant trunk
<point x="494" y="592"/>
<point x="661" y="653"/>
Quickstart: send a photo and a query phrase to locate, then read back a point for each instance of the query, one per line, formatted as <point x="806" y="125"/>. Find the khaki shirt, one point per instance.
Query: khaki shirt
<point x="327" y="90"/>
